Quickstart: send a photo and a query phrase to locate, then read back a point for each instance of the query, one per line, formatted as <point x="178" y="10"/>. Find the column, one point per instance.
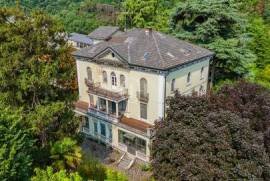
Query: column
<point x="117" y="113"/>
<point x="107" y="106"/>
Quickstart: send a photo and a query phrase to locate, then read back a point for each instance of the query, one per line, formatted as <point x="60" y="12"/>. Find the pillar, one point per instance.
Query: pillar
<point x="117" y="113"/>
<point x="107" y="106"/>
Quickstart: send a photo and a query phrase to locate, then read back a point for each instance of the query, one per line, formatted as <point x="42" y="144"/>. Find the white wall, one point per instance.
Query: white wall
<point x="180" y="77"/>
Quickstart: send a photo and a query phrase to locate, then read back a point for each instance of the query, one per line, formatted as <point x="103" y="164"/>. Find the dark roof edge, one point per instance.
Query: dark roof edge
<point x="206" y="56"/>
<point x="163" y="70"/>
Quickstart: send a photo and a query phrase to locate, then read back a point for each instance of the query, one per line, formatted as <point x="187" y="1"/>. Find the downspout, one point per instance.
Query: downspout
<point x="164" y="109"/>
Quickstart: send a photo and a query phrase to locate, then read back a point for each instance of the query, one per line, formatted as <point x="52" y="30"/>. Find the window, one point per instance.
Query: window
<point x="89" y="73"/>
<point x="143" y="86"/>
<point x="114" y="80"/>
<point x="173" y="85"/>
<point x="86" y="122"/>
<point x="122" y="81"/>
<point x="104" y="75"/>
<point x="110" y="133"/>
<point x="91" y="100"/>
<point x="122" y="106"/>
<point x="95" y="127"/>
<point x="143" y="108"/>
<point x="113" y="55"/>
<point x="132" y="141"/>
<point x="102" y="129"/>
<point x="140" y="145"/>
<point x="188" y="78"/>
<point x="202" y="72"/>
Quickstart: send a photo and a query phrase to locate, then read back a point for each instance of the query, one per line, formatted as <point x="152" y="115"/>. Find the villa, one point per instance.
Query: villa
<point x="124" y="79"/>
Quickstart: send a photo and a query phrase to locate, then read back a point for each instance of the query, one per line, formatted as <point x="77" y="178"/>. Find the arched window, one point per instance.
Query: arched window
<point x="114" y="79"/>
<point x="122" y="81"/>
<point x="89" y="73"/>
<point x="143" y="86"/>
<point x="173" y="85"/>
<point x="104" y="76"/>
<point x="188" y="77"/>
<point x="202" y="72"/>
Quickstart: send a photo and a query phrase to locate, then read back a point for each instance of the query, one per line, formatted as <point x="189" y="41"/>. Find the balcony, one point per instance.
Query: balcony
<point x="95" y="88"/>
<point x="142" y="96"/>
<point x="103" y="115"/>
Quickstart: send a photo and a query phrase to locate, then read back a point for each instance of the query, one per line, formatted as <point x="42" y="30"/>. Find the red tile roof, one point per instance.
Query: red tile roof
<point x="136" y="124"/>
<point x="81" y="105"/>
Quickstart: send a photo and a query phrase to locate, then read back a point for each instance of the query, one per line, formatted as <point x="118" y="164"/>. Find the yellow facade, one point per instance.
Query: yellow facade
<point x="158" y="86"/>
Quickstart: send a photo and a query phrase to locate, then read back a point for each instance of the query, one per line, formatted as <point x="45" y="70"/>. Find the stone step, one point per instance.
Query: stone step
<point x="125" y="162"/>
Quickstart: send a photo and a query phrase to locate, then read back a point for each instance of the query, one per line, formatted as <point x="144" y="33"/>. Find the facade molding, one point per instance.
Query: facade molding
<point x="146" y="69"/>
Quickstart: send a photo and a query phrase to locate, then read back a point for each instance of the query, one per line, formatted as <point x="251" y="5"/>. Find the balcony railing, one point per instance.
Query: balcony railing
<point x="95" y="88"/>
<point x="100" y="114"/>
<point x="142" y="96"/>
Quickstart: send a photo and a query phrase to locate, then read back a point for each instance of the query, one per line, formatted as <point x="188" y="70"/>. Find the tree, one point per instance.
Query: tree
<point x="66" y="154"/>
<point x="115" y="175"/>
<point x="144" y="14"/>
<point x="249" y="101"/>
<point x="37" y="72"/>
<point x="49" y="174"/>
<point x="263" y="76"/>
<point x="261" y="42"/>
<point x="219" y="26"/>
<point x="16" y="146"/>
<point x="204" y="139"/>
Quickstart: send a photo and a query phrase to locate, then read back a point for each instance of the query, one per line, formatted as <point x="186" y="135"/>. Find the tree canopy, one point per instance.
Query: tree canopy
<point x="222" y="137"/>
<point x="16" y="146"/>
<point x="219" y="26"/>
<point x="37" y="72"/>
<point x="49" y="174"/>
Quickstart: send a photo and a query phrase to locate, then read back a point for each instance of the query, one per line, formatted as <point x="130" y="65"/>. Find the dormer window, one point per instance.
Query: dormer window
<point x="114" y="79"/>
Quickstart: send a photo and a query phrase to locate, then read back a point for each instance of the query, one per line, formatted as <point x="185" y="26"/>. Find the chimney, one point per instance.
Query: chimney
<point x="148" y="31"/>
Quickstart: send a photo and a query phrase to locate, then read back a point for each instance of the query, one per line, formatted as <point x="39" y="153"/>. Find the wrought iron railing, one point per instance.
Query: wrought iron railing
<point x="101" y="114"/>
<point x="142" y="96"/>
<point x="95" y="88"/>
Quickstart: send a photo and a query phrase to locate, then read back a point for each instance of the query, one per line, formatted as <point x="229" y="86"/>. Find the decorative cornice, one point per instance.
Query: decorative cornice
<point x="144" y="68"/>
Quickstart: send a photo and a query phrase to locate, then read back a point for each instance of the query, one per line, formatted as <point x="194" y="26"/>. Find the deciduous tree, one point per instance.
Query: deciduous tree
<point x="223" y="137"/>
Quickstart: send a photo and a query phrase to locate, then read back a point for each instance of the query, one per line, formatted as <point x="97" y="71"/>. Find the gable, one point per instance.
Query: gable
<point x="109" y="56"/>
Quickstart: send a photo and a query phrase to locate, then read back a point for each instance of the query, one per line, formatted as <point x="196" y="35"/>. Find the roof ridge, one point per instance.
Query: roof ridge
<point x="158" y="50"/>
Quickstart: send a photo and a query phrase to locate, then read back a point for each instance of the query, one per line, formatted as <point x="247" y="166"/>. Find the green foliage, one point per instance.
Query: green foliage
<point x="146" y="167"/>
<point x="144" y="14"/>
<point x="263" y="77"/>
<point x="113" y="175"/>
<point x="66" y="154"/>
<point x="92" y="169"/>
<point x="16" y="146"/>
<point x="50" y="175"/>
<point x="261" y="41"/>
<point x="73" y="14"/>
<point x="223" y="137"/>
<point x="218" y="26"/>
<point x="36" y="72"/>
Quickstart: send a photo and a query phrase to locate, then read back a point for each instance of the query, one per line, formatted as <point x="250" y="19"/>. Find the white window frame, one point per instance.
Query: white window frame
<point x="113" y="79"/>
